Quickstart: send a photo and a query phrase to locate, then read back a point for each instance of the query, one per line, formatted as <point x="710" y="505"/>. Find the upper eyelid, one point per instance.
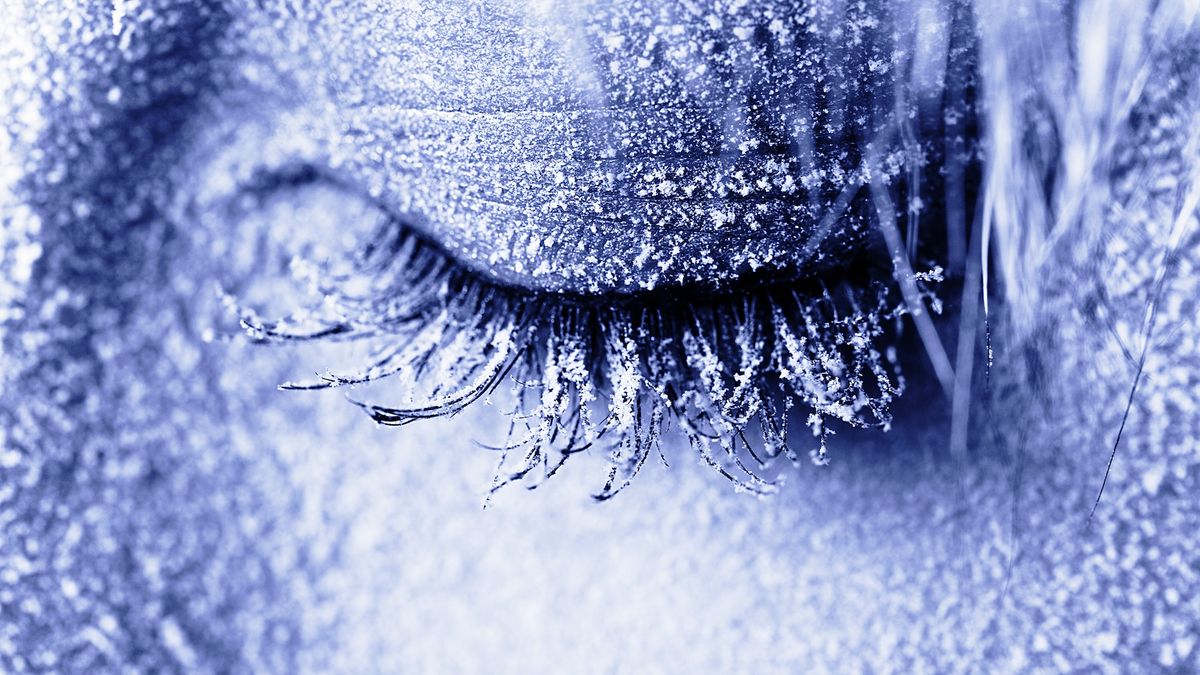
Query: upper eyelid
<point x="539" y="212"/>
<point x="474" y="252"/>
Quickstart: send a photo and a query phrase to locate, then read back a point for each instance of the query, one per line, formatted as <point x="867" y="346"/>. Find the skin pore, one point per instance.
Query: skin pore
<point x="165" y="507"/>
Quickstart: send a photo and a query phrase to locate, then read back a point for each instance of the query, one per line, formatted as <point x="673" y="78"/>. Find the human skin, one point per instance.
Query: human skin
<point x="166" y="508"/>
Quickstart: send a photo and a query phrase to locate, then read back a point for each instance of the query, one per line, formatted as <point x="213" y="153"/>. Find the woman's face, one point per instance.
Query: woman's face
<point x="165" y="506"/>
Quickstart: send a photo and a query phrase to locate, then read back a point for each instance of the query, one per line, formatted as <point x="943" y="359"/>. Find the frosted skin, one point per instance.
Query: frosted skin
<point x="597" y="147"/>
<point x="164" y="508"/>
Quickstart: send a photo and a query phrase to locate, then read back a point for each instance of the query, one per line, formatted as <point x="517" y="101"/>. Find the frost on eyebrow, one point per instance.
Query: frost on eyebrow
<point x="608" y="146"/>
<point x="572" y="375"/>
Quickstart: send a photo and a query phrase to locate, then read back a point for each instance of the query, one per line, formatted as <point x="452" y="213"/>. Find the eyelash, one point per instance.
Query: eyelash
<point x="726" y="370"/>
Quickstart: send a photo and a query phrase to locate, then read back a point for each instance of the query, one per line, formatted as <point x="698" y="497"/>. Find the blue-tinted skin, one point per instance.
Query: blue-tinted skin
<point x="165" y="508"/>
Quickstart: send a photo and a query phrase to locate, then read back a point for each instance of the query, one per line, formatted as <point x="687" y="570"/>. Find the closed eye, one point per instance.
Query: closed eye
<point x="731" y="369"/>
<point x="692" y="242"/>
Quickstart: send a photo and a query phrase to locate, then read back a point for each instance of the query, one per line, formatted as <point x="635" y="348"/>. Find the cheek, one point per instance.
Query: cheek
<point x="675" y="570"/>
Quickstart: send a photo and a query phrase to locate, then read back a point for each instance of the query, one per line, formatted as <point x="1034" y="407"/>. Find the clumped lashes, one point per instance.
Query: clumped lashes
<point x="728" y="373"/>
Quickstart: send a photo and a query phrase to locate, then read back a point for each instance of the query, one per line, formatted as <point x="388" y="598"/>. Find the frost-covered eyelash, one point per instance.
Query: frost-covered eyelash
<point x="591" y="374"/>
